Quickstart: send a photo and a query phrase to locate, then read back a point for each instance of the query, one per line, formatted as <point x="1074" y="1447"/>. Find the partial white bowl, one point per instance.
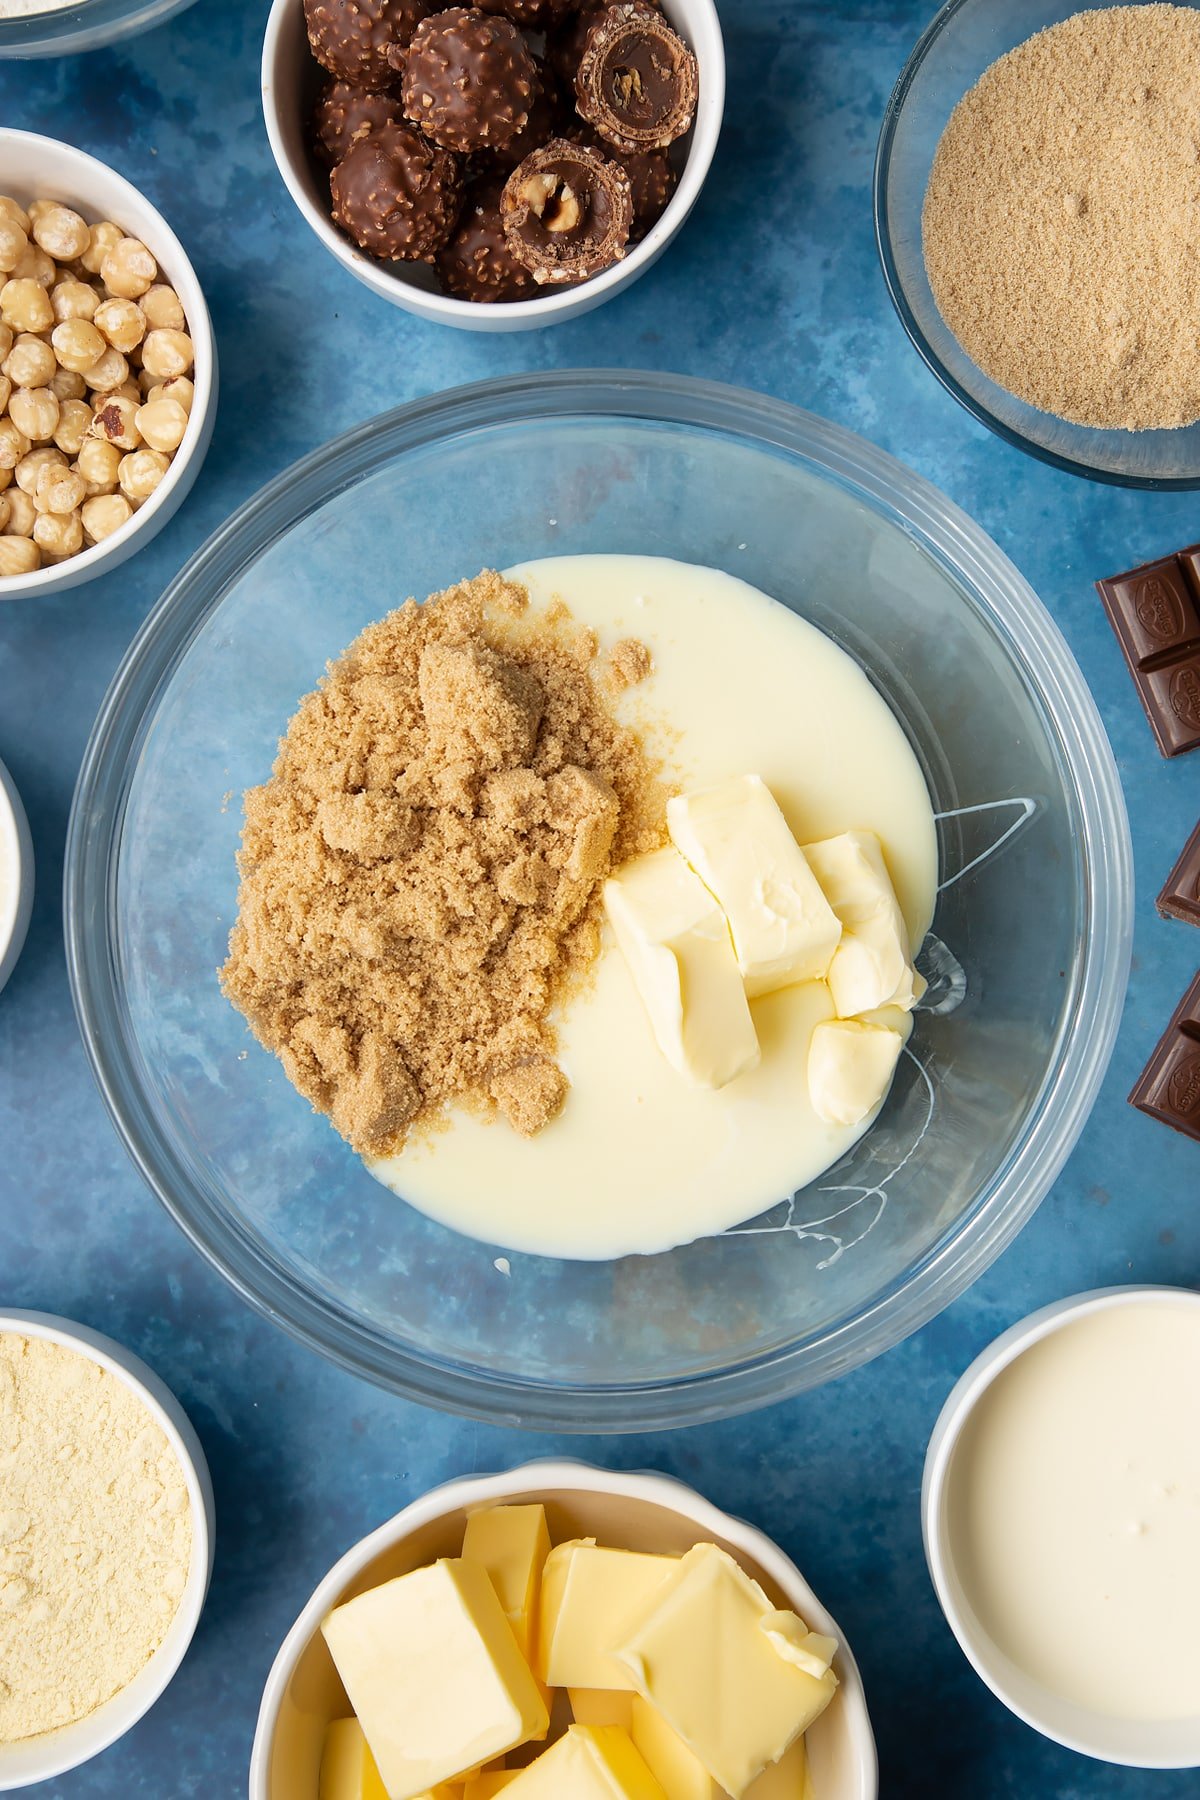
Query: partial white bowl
<point x="42" y="168"/>
<point x="52" y="1754"/>
<point x="1168" y="1744"/>
<point x="291" y="79"/>
<point x="16" y="875"/>
<point x="643" y="1512"/>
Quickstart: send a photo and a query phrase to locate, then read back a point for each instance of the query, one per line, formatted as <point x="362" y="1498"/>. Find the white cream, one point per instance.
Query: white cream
<point x="1073" y="1511"/>
<point x="639" y="1159"/>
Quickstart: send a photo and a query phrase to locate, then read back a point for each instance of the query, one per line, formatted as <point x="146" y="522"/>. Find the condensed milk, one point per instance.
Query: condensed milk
<point x="639" y="1160"/>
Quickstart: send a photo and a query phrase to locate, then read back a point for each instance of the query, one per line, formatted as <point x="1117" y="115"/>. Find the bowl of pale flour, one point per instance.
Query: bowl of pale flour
<point x="106" y="1539"/>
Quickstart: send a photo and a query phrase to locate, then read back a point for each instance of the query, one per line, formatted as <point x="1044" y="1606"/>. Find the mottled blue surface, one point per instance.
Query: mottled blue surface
<point x="774" y="284"/>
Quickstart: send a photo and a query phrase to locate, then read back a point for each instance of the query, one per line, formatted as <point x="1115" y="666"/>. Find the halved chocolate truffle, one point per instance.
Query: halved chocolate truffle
<point x="567" y="212"/>
<point x="637" y="81"/>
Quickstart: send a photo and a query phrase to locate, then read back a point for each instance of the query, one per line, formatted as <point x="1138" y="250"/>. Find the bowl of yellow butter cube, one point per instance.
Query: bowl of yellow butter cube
<point x="561" y="1632"/>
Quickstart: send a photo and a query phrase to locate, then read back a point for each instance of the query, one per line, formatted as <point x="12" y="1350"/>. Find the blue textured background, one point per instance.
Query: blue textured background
<point x="774" y="284"/>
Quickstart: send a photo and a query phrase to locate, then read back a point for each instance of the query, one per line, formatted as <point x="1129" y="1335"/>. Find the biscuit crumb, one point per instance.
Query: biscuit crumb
<point x="629" y="661"/>
<point x="420" y="878"/>
<point x="1059" y="223"/>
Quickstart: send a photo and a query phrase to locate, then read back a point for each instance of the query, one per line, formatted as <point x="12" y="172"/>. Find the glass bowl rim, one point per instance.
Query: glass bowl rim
<point x="1014" y="612"/>
<point x="897" y="101"/>
<point x="85" y="25"/>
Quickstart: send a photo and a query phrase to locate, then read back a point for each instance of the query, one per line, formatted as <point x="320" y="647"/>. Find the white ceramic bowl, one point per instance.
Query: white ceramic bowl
<point x="1171" y="1744"/>
<point x="16" y="875"/>
<point x="35" y="168"/>
<point x="645" y="1512"/>
<point x="291" y="79"/>
<point x="42" y="1758"/>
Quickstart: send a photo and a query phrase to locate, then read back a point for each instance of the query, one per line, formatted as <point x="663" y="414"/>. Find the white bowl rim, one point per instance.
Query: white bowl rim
<point x="71" y="1745"/>
<point x="90" y="562"/>
<point x="545" y="308"/>
<point x="17" y="843"/>
<point x="566" y="1474"/>
<point x="960" y="1404"/>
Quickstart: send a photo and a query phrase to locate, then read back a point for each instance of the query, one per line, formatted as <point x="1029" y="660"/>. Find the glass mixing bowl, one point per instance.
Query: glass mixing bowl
<point x="86" y="25"/>
<point x="1035" y="903"/>
<point x="963" y="40"/>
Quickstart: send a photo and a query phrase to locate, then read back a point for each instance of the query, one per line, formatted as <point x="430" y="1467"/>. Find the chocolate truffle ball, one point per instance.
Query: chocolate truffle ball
<point x="397" y="195"/>
<point x="531" y="15"/>
<point x="343" y="114"/>
<point x="566" y="42"/>
<point x="548" y="115"/>
<point x="351" y="38"/>
<point x="637" y="80"/>
<point x="653" y="178"/>
<point x="470" y="80"/>
<point x="567" y="212"/>
<point x="477" y="263"/>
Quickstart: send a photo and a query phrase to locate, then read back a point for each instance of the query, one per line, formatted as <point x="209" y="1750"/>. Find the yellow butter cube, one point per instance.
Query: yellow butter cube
<point x="348" y="1769"/>
<point x="787" y="1779"/>
<point x="700" y="1656"/>
<point x="872" y="966"/>
<point x="488" y="1782"/>
<point x="434" y="1674"/>
<point x="591" y="1762"/>
<point x="601" y="1706"/>
<point x="736" y="838"/>
<point x="676" y="941"/>
<point x="512" y="1543"/>
<point x="678" y="1771"/>
<point x="850" y="1068"/>
<point x="590" y="1596"/>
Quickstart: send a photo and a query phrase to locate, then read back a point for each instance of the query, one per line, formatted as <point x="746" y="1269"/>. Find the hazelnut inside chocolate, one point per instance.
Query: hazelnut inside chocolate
<point x="637" y="79"/>
<point x="553" y="200"/>
<point x="567" y="212"/>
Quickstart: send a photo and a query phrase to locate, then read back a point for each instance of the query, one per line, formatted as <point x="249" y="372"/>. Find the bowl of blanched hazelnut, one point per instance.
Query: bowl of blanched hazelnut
<point x="107" y="368"/>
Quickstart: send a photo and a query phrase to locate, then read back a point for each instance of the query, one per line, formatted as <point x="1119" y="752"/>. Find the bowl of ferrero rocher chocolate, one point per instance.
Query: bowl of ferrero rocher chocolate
<point x="496" y="166"/>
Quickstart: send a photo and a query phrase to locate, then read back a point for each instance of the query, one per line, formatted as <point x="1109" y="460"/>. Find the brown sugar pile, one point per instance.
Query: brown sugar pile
<point x="1062" y="219"/>
<point x="421" y="875"/>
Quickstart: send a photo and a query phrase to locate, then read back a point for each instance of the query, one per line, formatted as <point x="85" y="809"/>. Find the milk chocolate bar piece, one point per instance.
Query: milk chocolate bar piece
<point x="1155" y="612"/>
<point x="1180" y="897"/>
<point x="1169" y="1087"/>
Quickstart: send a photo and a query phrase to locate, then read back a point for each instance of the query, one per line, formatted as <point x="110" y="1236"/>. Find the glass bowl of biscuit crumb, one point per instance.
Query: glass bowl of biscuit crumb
<point x="1031" y="223"/>
<point x="1026" y="963"/>
<point x="65" y="27"/>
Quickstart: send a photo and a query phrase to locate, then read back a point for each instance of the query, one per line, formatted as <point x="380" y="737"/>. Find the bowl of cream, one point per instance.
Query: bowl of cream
<point x="1061" y="1511"/>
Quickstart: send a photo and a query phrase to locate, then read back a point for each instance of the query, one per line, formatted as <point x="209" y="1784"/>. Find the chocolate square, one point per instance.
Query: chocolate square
<point x="1155" y="612"/>
<point x="1180" y="896"/>
<point x="1171" y="697"/>
<point x="1169" y="1086"/>
<point x="1154" y="608"/>
<point x="1172" y="1090"/>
